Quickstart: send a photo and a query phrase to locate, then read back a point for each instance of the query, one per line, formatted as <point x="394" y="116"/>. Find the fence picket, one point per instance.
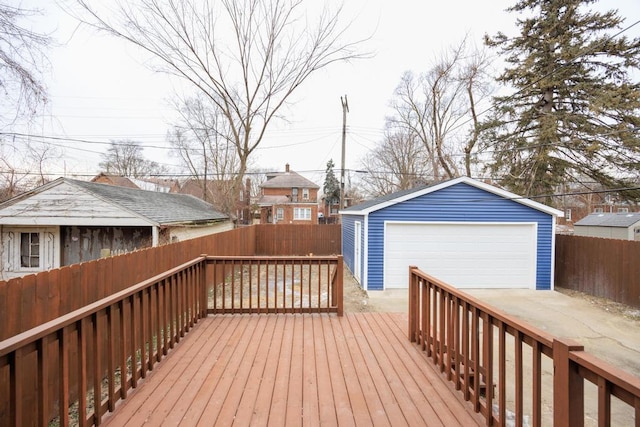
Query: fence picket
<point x="605" y="268"/>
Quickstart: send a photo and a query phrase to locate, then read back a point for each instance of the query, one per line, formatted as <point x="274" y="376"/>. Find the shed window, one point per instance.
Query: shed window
<point x="30" y="250"/>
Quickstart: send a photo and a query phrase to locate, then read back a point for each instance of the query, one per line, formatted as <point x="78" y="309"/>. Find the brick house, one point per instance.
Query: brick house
<point x="578" y="207"/>
<point x="288" y="197"/>
<point x="222" y="194"/>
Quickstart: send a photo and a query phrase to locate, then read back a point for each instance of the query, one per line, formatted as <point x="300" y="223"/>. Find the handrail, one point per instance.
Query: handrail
<point x="281" y="284"/>
<point x="103" y="349"/>
<point x="466" y="338"/>
<point x="543" y="337"/>
<point x="107" y="347"/>
<point x="34" y="334"/>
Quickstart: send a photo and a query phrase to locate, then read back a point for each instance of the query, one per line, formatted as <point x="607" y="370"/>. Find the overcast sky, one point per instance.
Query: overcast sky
<point x="100" y="89"/>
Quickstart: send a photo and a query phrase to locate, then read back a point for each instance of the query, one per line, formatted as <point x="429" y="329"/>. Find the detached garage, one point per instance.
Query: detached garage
<point x="465" y="232"/>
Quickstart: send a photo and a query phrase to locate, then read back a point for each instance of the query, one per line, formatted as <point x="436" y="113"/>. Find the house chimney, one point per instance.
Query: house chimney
<point x="286" y="168"/>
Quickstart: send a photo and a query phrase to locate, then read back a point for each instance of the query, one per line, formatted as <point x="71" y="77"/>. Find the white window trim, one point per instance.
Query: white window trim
<point x="306" y="214"/>
<point x="19" y="251"/>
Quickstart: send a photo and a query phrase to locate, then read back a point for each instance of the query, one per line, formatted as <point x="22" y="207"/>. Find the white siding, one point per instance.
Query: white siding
<point x="603" y="232"/>
<point x="67" y="205"/>
<point x="179" y="234"/>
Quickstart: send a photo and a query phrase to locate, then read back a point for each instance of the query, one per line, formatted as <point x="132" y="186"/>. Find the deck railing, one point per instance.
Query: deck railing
<point x="276" y="284"/>
<point x="51" y="374"/>
<point x="513" y="373"/>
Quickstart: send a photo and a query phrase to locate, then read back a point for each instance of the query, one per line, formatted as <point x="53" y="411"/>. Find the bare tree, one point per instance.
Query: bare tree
<point x="247" y="56"/>
<point x="40" y="156"/>
<point x="474" y="76"/>
<point x="399" y="162"/>
<point x="23" y="164"/>
<point x="125" y="158"/>
<point x="21" y="58"/>
<point x="202" y="143"/>
<point x="437" y="105"/>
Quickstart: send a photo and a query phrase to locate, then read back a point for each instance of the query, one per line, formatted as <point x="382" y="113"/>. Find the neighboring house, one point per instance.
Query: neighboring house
<point x="465" y="232"/>
<point x="220" y="193"/>
<point x="288" y="198"/>
<point x="328" y="211"/>
<point x="149" y="184"/>
<point x="577" y="207"/>
<point x="120" y="181"/>
<point x="625" y="226"/>
<point x="68" y="221"/>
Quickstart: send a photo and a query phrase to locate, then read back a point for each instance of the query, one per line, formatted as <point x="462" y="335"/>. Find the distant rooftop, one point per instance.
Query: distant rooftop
<point x="609" y="219"/>
<point x="288" y="179"/>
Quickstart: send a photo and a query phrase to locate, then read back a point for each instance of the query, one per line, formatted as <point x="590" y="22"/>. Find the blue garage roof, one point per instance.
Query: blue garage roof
<point x="401" y="196"/>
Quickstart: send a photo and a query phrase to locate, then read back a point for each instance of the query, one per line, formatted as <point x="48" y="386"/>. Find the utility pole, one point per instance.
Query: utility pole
<point x="345" y="110"/>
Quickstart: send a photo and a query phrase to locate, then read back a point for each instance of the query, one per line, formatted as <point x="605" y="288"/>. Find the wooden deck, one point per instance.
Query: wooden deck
<point x="293" y="369"/>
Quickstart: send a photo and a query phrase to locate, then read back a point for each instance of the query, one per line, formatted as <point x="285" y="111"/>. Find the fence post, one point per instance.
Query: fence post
<point x="339" y="285"/>
<point x="413" y="303"/>
<point x="568" y="385"/>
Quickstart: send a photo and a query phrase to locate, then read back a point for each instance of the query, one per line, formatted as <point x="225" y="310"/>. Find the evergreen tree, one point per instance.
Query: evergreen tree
<point x="331" y="187"/>
<point x="574" y="113"/>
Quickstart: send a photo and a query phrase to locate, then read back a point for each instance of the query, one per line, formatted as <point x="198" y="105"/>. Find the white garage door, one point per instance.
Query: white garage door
<point x="465" y="255"/>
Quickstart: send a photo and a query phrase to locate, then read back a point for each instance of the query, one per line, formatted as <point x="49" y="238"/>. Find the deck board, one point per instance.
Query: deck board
<point x="293" y="369"/>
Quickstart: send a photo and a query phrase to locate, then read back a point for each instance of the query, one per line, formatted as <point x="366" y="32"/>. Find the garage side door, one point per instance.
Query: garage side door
<point x="462" y="254"/>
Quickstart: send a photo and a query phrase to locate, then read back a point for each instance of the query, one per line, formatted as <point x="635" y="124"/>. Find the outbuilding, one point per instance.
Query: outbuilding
<point x="68" y="221"/>
<point x="625" y="226"/>
<point x="463" y="231"/>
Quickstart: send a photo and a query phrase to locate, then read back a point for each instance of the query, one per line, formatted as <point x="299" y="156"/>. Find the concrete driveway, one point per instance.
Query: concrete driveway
<point x="609" y="331"/>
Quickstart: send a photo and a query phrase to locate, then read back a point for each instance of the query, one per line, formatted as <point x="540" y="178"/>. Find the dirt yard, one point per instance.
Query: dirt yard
<point x="355" y="298"/>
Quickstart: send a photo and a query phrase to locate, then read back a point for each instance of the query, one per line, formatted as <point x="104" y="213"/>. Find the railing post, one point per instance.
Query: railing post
<point x="568" y="385"/>
<point x="413" y="303"/>
<point x="204" y="303"/>
<point x="339" y="286"/>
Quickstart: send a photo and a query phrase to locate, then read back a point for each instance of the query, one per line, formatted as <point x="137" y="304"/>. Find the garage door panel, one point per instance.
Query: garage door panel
<point x="463" y="254"/>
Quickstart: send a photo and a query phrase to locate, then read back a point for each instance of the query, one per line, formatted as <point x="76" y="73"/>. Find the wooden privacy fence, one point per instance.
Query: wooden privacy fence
<point x="29" y="301"/>
<point x="510" y="371"/>
<point x="607" y="268"/>
<point x="298" y="239"/>
<point x="32" y="300"/>
<point x="53" y="372"/>
<point x="276" y="284"/>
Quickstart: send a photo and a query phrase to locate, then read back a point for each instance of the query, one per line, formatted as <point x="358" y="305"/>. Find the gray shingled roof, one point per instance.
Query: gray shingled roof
<point x="288" y="180"/>
<point x="163" y="208"/>
<point x="623" y="220"/>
